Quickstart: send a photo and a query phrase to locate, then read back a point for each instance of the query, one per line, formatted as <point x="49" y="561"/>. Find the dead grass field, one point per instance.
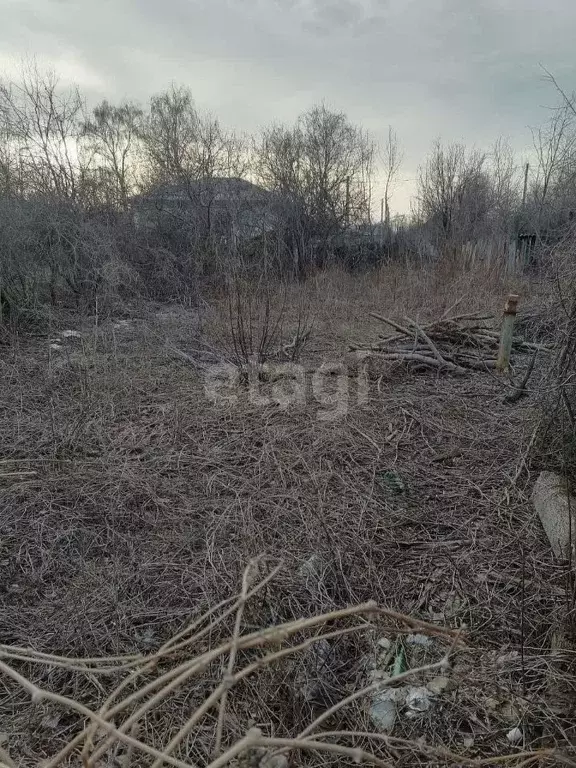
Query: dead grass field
<point x="129" y="502"/>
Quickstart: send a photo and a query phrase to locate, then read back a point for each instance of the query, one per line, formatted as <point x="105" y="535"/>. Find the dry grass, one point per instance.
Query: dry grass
<point x="130" y="502"/>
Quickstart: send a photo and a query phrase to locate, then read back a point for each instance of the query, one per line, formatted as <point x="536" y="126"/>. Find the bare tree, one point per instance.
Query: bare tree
<point x="325" y="161"/>
<point x="554" y="146"/>
<point x="438" y="185"/>
<point x="113" y="137"/>
<point x="185" y="152"/>
<point x="182" y="144"/>
<point x="44" y="122"/>
<point x="280" y="161"/>
<point x="453" y="190"/>
<point x="220" y="152"/>
<point x="338" y="170"/>
<point x="322" y="170"/>
<point x="505" y="189"/>
<point x="392" y="157"/>
<point x="280" y="166"/>
<point x="170" y="134"/>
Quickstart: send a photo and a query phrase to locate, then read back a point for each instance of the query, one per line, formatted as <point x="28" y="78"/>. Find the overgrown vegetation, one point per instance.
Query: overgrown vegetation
<point x="134" y="493"/>
<point x="131" y="500"/>
<point x="98" y="203"/>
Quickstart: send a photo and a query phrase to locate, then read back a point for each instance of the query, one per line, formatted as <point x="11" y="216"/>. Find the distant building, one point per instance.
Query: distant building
<point x="227" y="209"/>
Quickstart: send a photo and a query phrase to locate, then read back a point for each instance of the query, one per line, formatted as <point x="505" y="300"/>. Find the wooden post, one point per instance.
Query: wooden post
<point x="506" y="335"/>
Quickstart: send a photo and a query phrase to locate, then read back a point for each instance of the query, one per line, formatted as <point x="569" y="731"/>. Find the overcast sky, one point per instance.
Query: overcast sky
<point x="455" y="69"/>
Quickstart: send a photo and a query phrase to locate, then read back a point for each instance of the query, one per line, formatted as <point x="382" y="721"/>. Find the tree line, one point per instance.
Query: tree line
<point x="68" y="177"/>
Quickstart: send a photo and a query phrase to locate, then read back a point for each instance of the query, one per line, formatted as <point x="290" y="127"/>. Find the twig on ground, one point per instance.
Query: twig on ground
<point x="520" y="389"/>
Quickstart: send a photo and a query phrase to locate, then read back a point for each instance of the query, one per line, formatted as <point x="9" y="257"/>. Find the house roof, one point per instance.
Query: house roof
<point x="224" y="189"/>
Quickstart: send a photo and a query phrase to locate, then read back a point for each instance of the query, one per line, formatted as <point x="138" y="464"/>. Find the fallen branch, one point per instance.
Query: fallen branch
<point x="520" y="391"/>
<point x="391" y="323"/>
<point x="443" y="362"/>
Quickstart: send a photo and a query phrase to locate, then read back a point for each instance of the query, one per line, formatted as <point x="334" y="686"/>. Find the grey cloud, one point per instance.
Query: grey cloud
<point x="348" y="16"/>
<point x="339" y="14"/>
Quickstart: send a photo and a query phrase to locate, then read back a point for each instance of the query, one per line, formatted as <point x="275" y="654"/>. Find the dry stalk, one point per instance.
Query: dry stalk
<point x="438" y="752"/>
<point x="38" y="695"/>
<point x="182" y="673"/>
<point x="170" y="646"/>
<point x="229" y="682"/>
<point x="228" y="677"/>
<point x="172" y="679"/>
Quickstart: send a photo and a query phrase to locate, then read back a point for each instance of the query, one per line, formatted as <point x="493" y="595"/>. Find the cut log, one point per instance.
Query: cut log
<point x="556" y="510"/>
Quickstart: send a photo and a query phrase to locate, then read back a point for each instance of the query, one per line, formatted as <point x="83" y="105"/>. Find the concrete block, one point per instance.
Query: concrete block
<point x="557" y="512"/>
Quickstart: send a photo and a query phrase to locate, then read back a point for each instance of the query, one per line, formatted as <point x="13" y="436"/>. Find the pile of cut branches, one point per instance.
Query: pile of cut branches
<point x="454" y="344"/>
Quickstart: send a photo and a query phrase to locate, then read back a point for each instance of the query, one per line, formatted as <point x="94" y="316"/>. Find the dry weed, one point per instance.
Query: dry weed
<point x="130" y="501"/>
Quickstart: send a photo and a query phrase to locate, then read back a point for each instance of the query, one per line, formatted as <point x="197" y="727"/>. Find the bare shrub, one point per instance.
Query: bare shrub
<point x="53" y="255"/>
<point x="263" y="326"/>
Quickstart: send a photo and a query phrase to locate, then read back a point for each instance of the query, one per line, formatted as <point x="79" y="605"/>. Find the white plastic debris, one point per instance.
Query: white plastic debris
<point x="71" y="335"/>
<point x="384" y="708"/>
<point x="515" y="736"/>
<point x="418" y="700"/>
<point x="423" y="640"/>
